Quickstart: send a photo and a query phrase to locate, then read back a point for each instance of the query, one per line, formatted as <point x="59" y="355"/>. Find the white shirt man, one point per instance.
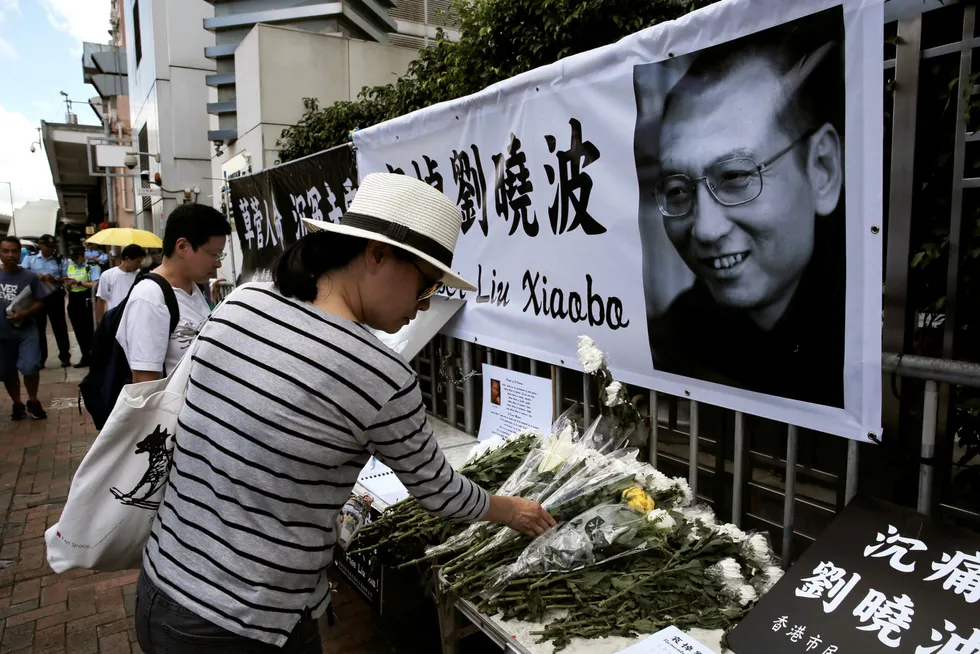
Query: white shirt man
<point x="142" y="333"/>
<point x="193" y="241"/>
<point x="115" y="283"/>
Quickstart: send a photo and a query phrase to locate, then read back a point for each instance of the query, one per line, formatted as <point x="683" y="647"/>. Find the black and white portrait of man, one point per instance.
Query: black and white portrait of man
<point x="739" y="154"/>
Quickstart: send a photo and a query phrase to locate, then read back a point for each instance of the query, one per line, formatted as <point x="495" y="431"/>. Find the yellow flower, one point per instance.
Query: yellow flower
<point x="638" y="500"/>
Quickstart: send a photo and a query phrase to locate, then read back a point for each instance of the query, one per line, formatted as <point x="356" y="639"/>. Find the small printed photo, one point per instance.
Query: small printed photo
<point x="495" y="391"/>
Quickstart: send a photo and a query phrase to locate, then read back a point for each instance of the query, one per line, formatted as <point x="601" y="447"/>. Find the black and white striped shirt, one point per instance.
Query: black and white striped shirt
<point x="284" y="407"/>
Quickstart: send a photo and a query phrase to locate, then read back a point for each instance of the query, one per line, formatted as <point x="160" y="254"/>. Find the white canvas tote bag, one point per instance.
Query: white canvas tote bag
<point x="120" y="483"/>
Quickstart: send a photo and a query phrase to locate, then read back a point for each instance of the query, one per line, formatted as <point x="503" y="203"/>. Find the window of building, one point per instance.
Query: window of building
<point x="143" y="143"/>
<point x="137" y="35"/>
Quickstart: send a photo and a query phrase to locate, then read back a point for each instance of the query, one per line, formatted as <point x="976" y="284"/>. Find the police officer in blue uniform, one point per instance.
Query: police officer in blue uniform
<point x="49" y="266"/>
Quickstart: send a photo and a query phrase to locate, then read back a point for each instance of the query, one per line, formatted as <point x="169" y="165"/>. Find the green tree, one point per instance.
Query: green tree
<point x="498" y="40"/>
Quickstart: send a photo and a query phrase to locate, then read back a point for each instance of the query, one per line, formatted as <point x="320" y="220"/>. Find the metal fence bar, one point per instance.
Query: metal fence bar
<point x="900" y="195"/>
<point x="469" y="412"/>
<point x="956" y="201"/>
<point x="430" y="350"/>
<point x="654" y="434"/>
<point x="559" y="391"/>
<point x="942" y="371"/>
<point x="930" y="415"/>
<point x="851" y="475"/>
<point x="586" y="404"/>
<point x="692" y="474"/>
<point x="510" y="361"/>
<point x="534" y="367"/>
<point x="451" y="382"/>
<point x="789" y="500"/>
<point x="738" y="482"/>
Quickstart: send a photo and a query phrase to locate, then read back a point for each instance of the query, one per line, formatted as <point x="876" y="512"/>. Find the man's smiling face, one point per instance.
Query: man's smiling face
<point x="753" y="255"/>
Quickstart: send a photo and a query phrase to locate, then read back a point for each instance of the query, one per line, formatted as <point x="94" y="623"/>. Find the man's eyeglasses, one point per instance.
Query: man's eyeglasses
<point x="431" y="288"/>
<point x="218" y="256"/>
<point x="731" y="182"/>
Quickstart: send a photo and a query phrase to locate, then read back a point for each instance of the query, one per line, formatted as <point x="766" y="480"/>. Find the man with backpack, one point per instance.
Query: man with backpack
<point x="80" y="279"/>
<point x="144" y="338"/>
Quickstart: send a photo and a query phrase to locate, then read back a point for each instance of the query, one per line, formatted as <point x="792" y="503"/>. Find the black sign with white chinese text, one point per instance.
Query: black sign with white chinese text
<point x="879" y="579"/>
<point x="269" y="206"/>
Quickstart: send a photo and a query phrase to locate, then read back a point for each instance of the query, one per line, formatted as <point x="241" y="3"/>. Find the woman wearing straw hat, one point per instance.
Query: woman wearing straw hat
<point x="289" y="396"/>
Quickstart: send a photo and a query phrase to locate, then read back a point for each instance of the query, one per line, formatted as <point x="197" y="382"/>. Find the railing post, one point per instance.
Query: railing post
<point x="738" y="481"/>
<point x="469" y="410"/>
<point x="692" y="473"/>
<point x="587" y="399"/>
<point x="450" y="358"/>
<point x="654" y="435"/>
<point x="930" y="415"/>
<point x="559" y="391"/>
<point x="789" y="500"/>
<point x="851" y="480"/>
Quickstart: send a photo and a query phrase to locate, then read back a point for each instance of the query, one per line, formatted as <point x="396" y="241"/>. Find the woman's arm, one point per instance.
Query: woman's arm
<point x="401" y="437"/>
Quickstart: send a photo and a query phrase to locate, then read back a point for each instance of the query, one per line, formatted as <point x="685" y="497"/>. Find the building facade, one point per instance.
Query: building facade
<point x="167" y="72"/>
<point x="269" y="55"/>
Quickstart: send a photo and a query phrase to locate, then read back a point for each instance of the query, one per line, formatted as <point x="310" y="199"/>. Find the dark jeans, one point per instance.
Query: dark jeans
<point x="82" y="320"/>
<point x="54" y="310"/>
<point x="165" y="627"/>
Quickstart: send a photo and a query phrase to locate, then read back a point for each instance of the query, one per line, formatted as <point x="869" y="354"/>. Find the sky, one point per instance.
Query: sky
<point x="41" y="55"/>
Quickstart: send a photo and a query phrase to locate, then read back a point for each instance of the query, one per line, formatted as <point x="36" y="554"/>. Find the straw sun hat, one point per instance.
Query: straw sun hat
<point x="408" y="214"/>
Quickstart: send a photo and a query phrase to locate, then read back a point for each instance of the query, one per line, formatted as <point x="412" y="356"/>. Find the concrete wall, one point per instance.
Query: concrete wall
<point x="275" y="68"/>
<point x="168" y="95"/>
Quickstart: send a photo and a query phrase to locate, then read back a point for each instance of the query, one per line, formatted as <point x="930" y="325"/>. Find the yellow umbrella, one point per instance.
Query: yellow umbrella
<point x="123" y="236"/>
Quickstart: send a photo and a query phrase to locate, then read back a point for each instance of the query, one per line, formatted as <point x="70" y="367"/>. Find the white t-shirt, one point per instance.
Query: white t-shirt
<point x="145" y="321"/>
<point x="114" y="285"/>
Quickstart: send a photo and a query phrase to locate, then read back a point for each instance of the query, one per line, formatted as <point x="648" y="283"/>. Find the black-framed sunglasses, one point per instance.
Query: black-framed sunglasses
<point x="431" y="288"/>
<point x="731" y="183"/>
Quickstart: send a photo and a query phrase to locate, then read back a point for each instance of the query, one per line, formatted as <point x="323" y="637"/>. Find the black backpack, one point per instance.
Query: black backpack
<point x="109" y="370"/>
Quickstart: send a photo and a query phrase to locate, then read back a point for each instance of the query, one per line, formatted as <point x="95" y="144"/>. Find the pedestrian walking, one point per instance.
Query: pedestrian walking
<point x="21" y="301"/>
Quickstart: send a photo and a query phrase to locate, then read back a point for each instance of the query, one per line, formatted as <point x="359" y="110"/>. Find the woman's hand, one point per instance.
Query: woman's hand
<point x="521" y="515"/>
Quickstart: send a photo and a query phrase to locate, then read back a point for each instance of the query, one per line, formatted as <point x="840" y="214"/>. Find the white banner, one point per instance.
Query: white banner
<point x="679" y="196"/>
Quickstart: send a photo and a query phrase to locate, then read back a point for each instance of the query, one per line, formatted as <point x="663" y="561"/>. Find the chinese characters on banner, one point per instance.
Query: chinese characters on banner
<point x="269" y="206"/>
<point x="879" y="579"/>
<point x="655" y="196"/>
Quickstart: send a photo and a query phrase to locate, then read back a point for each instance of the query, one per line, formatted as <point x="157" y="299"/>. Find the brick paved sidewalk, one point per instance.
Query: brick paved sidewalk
<point x="82" y="612"/>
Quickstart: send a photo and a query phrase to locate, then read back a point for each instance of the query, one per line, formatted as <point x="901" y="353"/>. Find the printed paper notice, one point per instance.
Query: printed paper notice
<point x="669" y="641"/>
<point x="513" y="401"/>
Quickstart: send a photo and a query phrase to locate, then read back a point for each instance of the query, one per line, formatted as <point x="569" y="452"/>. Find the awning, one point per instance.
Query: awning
<point x="65" y="146"/>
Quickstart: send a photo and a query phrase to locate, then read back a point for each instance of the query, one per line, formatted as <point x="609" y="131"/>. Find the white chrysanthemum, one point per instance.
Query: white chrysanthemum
<point x="698" y="514"/>
<point x="661" y="519"/>
<point x="685" y="490"/>
<point x="746" y="594"/>
<point x="727" y="572"/>
<point x="614" y="393"/>
<point x="657" y="481"/>
<point x="590" y="356"/>
<point x="758" y="551"/>
<point x="732" y="532"/>
<point x="770" y="576"/>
